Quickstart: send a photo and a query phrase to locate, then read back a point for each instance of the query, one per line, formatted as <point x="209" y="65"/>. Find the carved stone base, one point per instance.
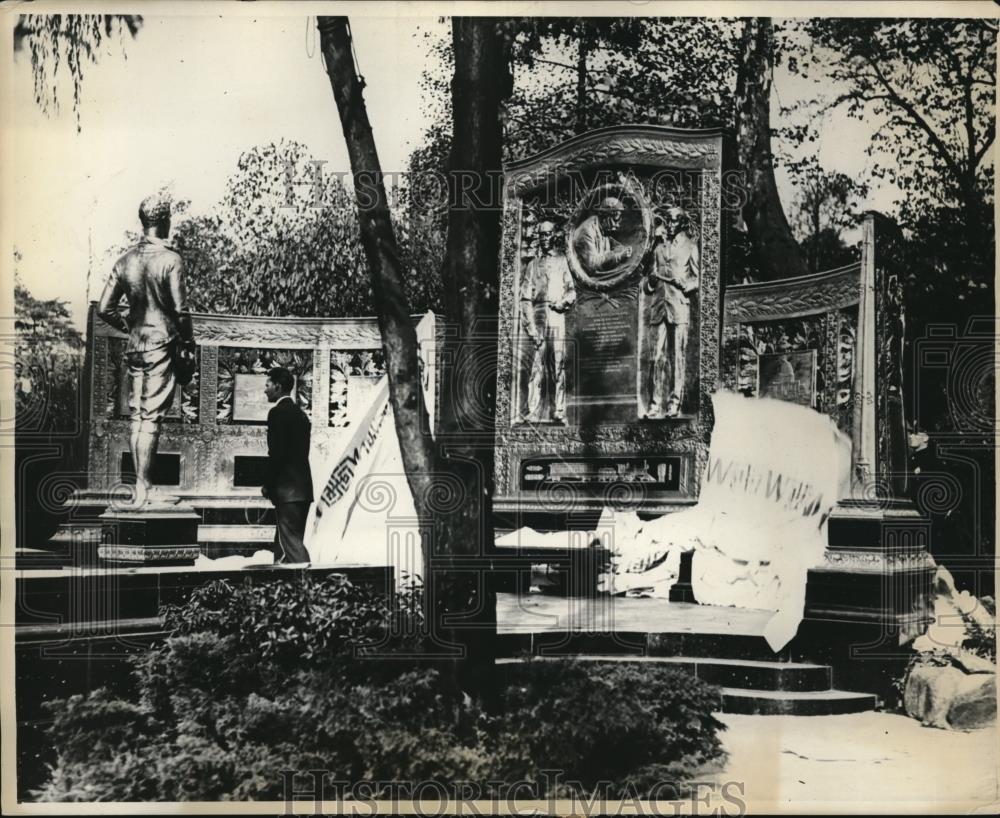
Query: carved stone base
<point x="877" y="570"/>
<point x="75" y="543"/>
<point x="151" y="535"/>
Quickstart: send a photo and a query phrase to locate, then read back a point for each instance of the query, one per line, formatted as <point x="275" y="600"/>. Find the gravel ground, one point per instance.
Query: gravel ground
<point x="866" y="762"/>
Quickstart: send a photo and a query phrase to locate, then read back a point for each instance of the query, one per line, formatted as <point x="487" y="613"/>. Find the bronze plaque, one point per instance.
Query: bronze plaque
<point x="788" y="376"/>
<point x="250" y="404"/>
<point x="609" y="316"/>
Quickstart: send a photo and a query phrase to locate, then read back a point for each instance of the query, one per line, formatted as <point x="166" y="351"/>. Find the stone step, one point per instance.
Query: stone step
<point x="637" y="643"/>
<point x="736" y="673"/>
<point x="755" y="687"/>
<point x="790" y="703"/>
<point x="235" y="533"/>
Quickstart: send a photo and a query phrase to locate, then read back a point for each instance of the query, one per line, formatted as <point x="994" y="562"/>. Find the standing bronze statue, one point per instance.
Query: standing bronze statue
<point x="547" y="293"/>
<point x="672" y="281"/>
<point x="149" y="276"/>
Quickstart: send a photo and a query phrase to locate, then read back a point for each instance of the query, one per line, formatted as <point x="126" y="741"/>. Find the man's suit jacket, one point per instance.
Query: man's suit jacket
<point x="289" y="479"/>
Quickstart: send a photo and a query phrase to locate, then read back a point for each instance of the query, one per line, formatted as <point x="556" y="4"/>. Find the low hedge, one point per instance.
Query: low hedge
<point x="260" y="679"/>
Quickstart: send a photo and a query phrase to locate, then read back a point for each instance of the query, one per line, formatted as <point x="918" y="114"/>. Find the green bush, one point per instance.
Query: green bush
<point x="621" y="721"/>
<point x="260" y="679"/>
<point x="979" y="640"/>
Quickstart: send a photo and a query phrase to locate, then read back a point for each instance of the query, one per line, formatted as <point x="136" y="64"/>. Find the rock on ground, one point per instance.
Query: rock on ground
<point x="948" y="697"/>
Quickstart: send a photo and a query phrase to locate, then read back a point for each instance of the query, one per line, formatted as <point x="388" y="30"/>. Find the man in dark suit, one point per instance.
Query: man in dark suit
<point x="289" y="480"/>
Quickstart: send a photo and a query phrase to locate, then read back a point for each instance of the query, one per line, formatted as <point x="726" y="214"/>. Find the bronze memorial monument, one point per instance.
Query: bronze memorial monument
<point x="612" y="249"/>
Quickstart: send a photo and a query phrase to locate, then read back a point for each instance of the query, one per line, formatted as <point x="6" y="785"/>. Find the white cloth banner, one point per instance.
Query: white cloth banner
<point x="774" y="472"/>
<point x="364" y="514"/>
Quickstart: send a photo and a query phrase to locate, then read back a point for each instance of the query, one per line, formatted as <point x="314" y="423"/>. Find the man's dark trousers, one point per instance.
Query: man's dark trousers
<point x="291" y="519"/>
<point x="289" y="480"/>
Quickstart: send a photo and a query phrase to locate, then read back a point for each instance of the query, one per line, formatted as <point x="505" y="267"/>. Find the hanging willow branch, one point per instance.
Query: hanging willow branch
<point x="70" y="40"/>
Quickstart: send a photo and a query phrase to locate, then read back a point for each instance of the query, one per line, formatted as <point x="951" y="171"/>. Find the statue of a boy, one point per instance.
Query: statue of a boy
<point x="149" y="275"/>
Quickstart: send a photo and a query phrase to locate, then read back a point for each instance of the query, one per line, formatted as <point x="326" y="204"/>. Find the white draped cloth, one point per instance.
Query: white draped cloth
<point x="774" y="472"/>
<point x="364" y="513"/>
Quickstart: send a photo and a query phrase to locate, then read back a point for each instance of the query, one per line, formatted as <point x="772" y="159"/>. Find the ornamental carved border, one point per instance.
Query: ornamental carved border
<point x="653" y="148"/>
<point x="638" y="145"/>
<point x="148" y="553"/>
<point x="831" y="334"/>
<point x="817" y="311"/>
<point x="235" y="330"/>
<point x="793" y="297"/>
<point x="207" y="445"/>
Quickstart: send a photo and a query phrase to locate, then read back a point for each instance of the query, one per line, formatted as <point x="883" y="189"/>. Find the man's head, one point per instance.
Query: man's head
<point x="154" y="214"/>
<point x="279" y="383"/>
<point x="610" y="213"/>
<point x="546" y="235"/>
<point x="675" y="221"/>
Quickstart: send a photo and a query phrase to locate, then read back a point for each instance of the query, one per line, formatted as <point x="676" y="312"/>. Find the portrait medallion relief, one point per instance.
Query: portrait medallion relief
<point x="609" y="235"/>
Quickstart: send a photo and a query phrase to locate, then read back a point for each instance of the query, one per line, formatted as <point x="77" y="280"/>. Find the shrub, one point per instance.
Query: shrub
<point x="979" y="640"/>
<point x="260" y="679"/>
<point x="618" y="722"/>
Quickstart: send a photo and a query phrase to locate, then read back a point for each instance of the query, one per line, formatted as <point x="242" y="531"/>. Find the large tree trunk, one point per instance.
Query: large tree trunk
<point x="399" y="337"/>
<point x="451" y="490"/>
<point x="774" y="251"/>
<point x="471" y="281"/>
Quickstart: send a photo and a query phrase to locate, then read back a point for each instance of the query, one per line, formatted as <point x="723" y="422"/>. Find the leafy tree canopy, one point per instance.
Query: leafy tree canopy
<point x="284" y="240"/>
<point x="826" y="205"/>
<point x="572" y="75"/>
<point x="928" y="87"/>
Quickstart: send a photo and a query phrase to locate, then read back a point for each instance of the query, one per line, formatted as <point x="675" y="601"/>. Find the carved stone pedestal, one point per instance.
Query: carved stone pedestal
<point x="877" y="567"/>
<point x="151" y="535"/>
<point x="872" y="595"/>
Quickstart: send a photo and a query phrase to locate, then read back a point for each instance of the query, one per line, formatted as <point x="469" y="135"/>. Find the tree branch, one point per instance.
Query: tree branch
<point x="970" y="126"/>
<point x="988" y="137"/>
<point x="555" y="63"/>
<point x="917" y="118"/>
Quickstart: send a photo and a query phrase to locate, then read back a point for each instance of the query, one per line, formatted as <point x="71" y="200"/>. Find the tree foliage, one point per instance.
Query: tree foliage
<point x="284" y="240"/>
<point x="324" y="675"/>
<point x="826" y="204"/>
<point x="928" y="87"/>
<point x="70" y="40"/>
<point x="573" y="75"/>
<point x="48" y="357"/>
<point x="577" y="74"/>
<point x="49" y="438"/>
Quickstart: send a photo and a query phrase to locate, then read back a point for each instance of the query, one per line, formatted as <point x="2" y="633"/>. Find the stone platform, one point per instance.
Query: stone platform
<point x="235" y="524"/>
<point x="70" y="603"/>
<point x="159" y="534"/>
<point x="723" y="646"/>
